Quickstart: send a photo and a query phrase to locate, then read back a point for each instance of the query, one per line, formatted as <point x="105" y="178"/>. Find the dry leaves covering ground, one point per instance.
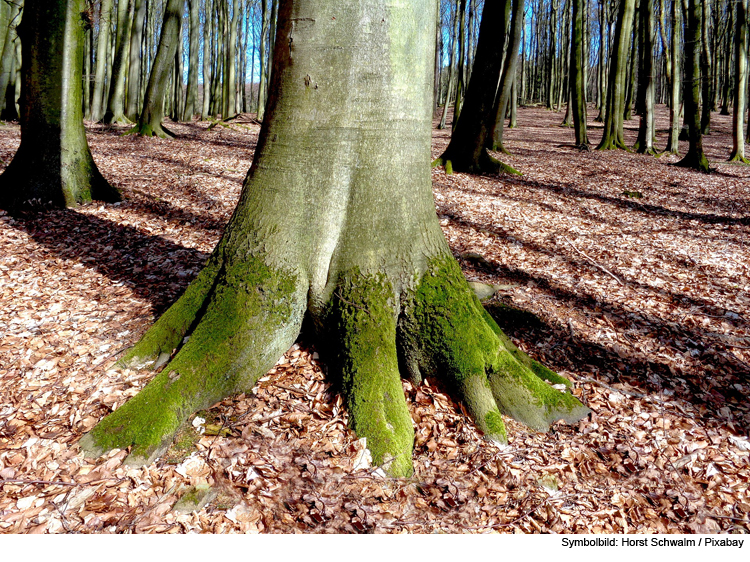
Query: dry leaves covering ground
<point x="644" y="302"/>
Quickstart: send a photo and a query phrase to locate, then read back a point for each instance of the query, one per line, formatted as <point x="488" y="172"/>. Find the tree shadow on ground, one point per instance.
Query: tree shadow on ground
<point x="155" y="269"/>
<point x="561" y="348"/>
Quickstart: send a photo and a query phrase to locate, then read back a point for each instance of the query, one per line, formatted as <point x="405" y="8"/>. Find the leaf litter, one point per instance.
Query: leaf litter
<point x="643" y="302"/>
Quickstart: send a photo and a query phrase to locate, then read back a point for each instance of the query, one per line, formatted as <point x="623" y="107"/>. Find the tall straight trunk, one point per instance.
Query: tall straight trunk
<point x="149" y="121"/>
<point x="706" y="93"/>
<point x="630" y="83"/>
<point x="513" y="119"/>
<point x="452" y="73"/>
<point x="729" y="50"/>
<point x="134" y="69"/>
<point x="230" y="55"/>
<point x="437" y="79"/>
<point x="645" y="142"/>
<point x="495" y="141"/>
<point x="577" y="90"/>
<point x="375" y="319"/>
<point x="602" y="66"/>
<point x="467" y="150"/>
<point x="461" y="61"/>
<point x="207" y="78"/>
<point x="523" y="89"/>
<point x="191" y="98"/>
<point x="102" y="57"/>
<point x="264" y="32"/>
<point x="615" y="102"/>
<point x="53" y="166"/>
<point x="695" y="157"/>
<point x="740" y="91"/>
<point x="7" y="68"/>
<point x="552" y="37"/>
<point x="673" y="143"/>
<point x="115" y="112"/>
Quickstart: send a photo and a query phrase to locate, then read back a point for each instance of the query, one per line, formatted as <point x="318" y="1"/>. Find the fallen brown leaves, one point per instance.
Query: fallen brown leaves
<point x="642" y="302"/>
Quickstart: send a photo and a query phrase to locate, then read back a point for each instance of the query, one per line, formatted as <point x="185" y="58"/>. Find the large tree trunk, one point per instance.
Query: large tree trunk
<point x="346" y="140"/>
<point x="149" y="121"/>
<point x="695" y="157"/>
<point x="740" y="90"/>
<point x="467" y="150"/>
<point x="53" y="166"/>
<point x="615" y="101"/>
<point x="116" y="100"/>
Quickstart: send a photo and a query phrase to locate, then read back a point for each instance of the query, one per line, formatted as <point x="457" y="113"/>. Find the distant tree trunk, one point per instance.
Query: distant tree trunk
<point x="264" y="32"/>
<point x="615" y="103"/>
<point x="695" y="158"/>
<point x="461" y="62"/>
<point x="645" y="142"/>
<point x="466" y="151"/>
<point x="513" y="119"/>
<point x="630" y="83"/>
<point x="102" y="56"/>
<point x="207" y="78"/>
<point x="115" y="112"/>
<point x="230" y="53"/>
<point x="53" y="166"/>
<point x="602" y="74"/>
<point x="191" y="99"/>
<point x="741" y="84"/>
<point x="452" y="71"/>
<point x="134" y="71"/>
<point x="728" y="49"/>
<point x="706" y="93"/>
<point x="673" y="143"/>
<point x="149" y="121"/>
<point x="7" y="66"/>
<point x="577" y="91"/>
<point x="495" y="142"/>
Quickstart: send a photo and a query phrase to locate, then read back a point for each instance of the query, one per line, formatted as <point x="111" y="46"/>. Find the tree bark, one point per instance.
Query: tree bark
<point x="8" y="56"/>
<point x="134" y="68"/>
<point x="467" y="150"/>
<point x="673" y="143"/>
<point x="578" y="92"/>
<point x="346" y="140"/>
<point x="149" y="121"/>
<point x="706" y="90"/>
<point x="191" y="100"/>
<point x="695" y="157"/>
<point x="741" y="84"/>
<point x="615" y="101"/>
<point x="645" y="142"/>
<point x="53" y="166"/>
<point x="102" y="55"/>
<point x="507" y="78"/>
<point x="115" y="112"/>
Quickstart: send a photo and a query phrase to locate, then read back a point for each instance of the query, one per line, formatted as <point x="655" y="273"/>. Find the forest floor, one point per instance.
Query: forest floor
<point x="626" y="274"/>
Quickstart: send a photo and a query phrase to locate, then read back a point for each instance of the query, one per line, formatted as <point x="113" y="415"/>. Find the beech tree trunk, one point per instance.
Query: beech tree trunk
<point x="467" y="150"/>
<point x="115" y="112"/>
<point x="134" y="69"/>
<point x="578" y="84"/>
<point x="645" y="142"/>
<point x="741" y="84"/>
<point x="695" y="157"/>
<point x="149" y="121"/>
<point x="191" y="99"/>
<point x="507" y="78"/>
<point x="615" y="101"/>
<point x="673" y="144"/>
<point x="102" y="56"/>
<point x="53" y="166"/>
<point x="346" y="140"/>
